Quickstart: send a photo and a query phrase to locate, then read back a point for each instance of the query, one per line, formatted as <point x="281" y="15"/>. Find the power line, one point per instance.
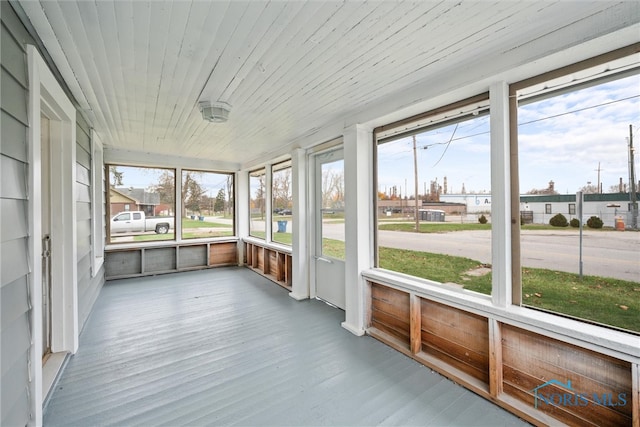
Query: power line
<point x="447" y="147"/>
<point x="578" y="110"/>
<point x="526" y="123"/>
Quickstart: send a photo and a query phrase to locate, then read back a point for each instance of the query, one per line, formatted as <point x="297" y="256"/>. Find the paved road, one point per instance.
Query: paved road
<point x="605" y="253"/>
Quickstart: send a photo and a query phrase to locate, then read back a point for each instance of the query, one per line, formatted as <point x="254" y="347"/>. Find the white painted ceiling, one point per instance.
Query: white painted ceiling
<point x="138" y="69"/>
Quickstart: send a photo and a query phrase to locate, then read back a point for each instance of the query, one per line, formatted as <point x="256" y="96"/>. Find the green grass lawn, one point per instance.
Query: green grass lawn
<point x="602" y="300"/>
<point x="192" y="223"/>
<point x="153" y="237"/>
<point x="284" y="238"/>
<point x="191" y="229"/>
<point x="185" y="235"/>
<point x="433" y="227"/>
<point x="440" y="268"/>
<point x="444" y="227"/>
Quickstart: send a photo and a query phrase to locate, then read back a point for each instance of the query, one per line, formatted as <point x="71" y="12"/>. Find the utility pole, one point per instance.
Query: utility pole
<point x="632" y="183"/>
<point x="580" y="202"/>
<point x="599" y="189"/>
<point x="415" y="180"/>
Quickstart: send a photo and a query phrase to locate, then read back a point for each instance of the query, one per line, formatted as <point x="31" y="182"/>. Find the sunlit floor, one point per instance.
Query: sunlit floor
<point x="229" y="347"/>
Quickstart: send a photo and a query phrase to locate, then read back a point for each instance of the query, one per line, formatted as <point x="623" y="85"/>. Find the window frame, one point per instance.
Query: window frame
<point x="231" y="196"/>
<point x="277" y="167"/>
<point x="109" y="214"/>
<point x="514" y="102"/>
<point x="267" y="217"/>
<point x="456" y="112"/>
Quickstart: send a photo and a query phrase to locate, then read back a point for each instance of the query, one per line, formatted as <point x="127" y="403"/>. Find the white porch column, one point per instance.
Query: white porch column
<point x="242" y="210"/>
<point x="300" y="248"/>
<point x="177" y="196"/>
<point x="268" y="201"/>
<point x="358" y="190"/>
<point x="500" y="195"/>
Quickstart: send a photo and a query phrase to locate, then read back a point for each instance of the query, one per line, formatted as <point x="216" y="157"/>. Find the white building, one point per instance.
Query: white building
<point x="607" y="207"/>
<point x="476" y="203"/>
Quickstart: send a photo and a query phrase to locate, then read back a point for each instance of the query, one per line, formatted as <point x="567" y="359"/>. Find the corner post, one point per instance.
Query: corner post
<point x="358" y="174"/>
<point x="501" y="195"/>
<point x="300" y="247"/>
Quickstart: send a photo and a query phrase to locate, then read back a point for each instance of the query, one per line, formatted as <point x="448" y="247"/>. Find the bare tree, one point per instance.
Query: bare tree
<point x="192" y="192"/>
<point x="332" y="189"/>
<point x="166" y="187"/>
<point x="258" y="199"/>
<point x="282" y="197"/>
<point x="220" y="201"/>
<point x="549" y="190"/>
<point x="229" y="204"/>
<point x="589" y="189"/>
<point x="116" y="176"/>
<point x="620" y="188"/>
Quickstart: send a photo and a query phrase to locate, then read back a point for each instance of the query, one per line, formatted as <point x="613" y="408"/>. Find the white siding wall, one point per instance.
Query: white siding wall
<point x="600" y="209"/>
<point x="14" y="195"/>
<point x="88" y="287"/>
<point x="14" y="263"/>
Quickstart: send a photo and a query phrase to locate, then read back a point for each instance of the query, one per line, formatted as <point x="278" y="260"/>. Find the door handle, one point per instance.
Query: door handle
<point x="323" y="259"/>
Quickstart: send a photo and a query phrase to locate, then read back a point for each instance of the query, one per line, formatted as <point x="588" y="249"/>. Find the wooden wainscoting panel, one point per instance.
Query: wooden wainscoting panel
<point x="274" y="260"/>
<point x="159" y="259"/>
<point x="415" y="323"/>
<point x="258" y="258"/>
<point x="192" y="256"/>
<point x="495" y="358"/>
<point x="257" y="254"/>
<point x="271" y="262"/>
<point x="281" y="265"/>
<point x="456" y="337"/>
<point x="248" y="254"/>
<point x="535" y="365"/>
<point x="288" y="270"/>
<point x="225" y="253"/>
<point x="390" y="312"/>
<point x="266" y="258"/>
<point x="123" y="263"/>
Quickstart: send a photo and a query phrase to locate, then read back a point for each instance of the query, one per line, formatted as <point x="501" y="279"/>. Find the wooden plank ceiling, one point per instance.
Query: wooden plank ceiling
<point x="287" y="68"/>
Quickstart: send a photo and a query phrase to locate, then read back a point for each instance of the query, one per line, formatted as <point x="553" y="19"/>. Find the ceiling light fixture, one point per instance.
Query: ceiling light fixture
<point x="217" y="112"/>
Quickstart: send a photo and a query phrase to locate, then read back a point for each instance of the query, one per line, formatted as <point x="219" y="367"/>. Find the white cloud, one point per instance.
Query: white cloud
<point x="567" y="137"/>
<point x="569" y="147"/>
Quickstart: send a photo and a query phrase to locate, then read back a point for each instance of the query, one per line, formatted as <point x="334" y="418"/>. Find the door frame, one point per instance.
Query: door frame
<point x="47" y="97"/>
<point x="313" y="225"/>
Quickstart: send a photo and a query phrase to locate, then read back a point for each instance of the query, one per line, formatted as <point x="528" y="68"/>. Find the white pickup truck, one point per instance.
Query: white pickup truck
<point x="135" y="221"/>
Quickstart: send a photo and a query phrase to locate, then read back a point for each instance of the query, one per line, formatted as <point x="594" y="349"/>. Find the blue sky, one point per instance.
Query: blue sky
<point x="561" y="139"/>
<point x="466" y="159"/>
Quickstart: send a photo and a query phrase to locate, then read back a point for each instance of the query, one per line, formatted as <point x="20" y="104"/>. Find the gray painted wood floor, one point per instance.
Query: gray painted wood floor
<point x="228" y="347"/>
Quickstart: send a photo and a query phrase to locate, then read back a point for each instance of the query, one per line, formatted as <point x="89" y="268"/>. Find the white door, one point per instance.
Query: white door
<point x="329" y="251"/>
<point x="45" y="150"/>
